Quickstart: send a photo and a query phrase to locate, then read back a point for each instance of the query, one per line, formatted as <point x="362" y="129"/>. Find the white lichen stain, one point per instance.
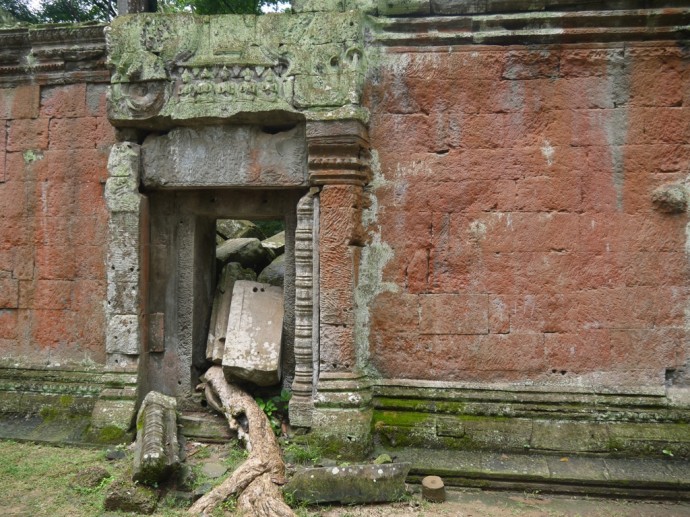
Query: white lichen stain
<point x="548" y="151"/>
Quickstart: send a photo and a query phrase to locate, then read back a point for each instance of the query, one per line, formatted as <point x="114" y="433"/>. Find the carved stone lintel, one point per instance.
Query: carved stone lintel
<point x="338" y="153"/>
<point x="302" y="403"/>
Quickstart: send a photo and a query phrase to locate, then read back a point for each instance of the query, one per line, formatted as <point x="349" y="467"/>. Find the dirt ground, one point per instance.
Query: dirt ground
<point x="41" y="480"/>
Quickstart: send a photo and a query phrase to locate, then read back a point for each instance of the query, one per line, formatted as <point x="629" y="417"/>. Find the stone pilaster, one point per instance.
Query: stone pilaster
<point x="338" y="164"/>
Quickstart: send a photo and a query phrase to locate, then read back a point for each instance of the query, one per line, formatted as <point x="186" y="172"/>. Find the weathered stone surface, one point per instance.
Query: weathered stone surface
<point x="247" y="252"/>
<point x="275" y="242"/>
<point x="224" y="156"/>
<point x="238" y="229"/>
<point x="672" y="199"/>
<point x="90" y="477"/>
<point x="213" y="469"/>
<point x="157" y="451"/>
<point x="356" y="484"/>
<point x="126" y="496"/>
<point x="274" y="273"/>
<point x="253" y="342"/>
<point x="215" y="345"/>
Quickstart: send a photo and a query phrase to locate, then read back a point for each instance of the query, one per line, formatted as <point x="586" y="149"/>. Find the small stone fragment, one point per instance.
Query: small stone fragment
<point x="90" y="477"/>
<point x="213" y="469"/>
<point x="671" y="199"/>
<point x="433" y="489"/>
<point x="383" y="458"/>
<point x="114" y="454"/>
<point x="157" y="451"/>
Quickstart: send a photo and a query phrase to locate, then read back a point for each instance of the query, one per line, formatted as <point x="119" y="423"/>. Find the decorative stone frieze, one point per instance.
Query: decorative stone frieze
<point x="181" y="67"/>
<point x="52" y="55"/>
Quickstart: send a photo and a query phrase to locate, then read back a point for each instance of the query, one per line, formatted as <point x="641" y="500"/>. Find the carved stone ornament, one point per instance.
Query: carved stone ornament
<point x="234" y="67"/>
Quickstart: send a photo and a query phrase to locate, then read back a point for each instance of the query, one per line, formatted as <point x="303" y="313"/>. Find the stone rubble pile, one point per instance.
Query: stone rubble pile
<point x="247" y="313"/>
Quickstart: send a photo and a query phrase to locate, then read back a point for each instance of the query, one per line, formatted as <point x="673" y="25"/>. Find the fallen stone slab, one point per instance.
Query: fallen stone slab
<point x="248" y="252"/>
<point x="126" y="496"/>
<point x="238" y="229"/>
<point x="157" y="450"/>
<point x="355" y="484"/>
<point x="220" y="311"/>
<point x="253" y="339"/>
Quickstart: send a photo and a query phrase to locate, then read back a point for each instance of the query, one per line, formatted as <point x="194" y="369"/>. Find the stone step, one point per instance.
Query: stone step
<point x="204" y="427"/>
<point x="660" y="478"/>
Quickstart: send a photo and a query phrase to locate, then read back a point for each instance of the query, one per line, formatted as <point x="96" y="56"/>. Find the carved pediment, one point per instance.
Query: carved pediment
<point x="168" y="69"/>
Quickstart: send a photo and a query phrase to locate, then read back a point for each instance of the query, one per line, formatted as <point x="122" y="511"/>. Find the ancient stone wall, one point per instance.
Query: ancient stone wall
<point x="513" y="193"/>
<point x="54" y="143"/>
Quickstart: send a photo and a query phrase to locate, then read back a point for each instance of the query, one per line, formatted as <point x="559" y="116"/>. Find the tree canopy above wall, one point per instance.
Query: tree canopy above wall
<point x="73" y="11"/>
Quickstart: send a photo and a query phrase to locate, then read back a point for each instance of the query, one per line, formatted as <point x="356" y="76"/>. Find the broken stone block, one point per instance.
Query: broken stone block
<point x="275" y="243"/>
<point x="274" y="273"/>
<point x="253" y="340"/>
<point x="215" y="344"/>
<point x="248" y="252"/>
<point x="157" y="450"/>
<point x="356" y="484"/>
<point x="238" y="229"/>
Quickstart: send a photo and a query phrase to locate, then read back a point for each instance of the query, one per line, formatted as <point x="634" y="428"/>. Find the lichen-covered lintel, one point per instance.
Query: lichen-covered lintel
<point x="177" y="69"/>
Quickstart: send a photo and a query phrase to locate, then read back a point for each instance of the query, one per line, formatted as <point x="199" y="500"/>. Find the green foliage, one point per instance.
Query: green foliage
<point x="304" y="453"/>
<point x="270" y="228"/>
<point x="77" y="11"/>
<point x="276" y="409"/>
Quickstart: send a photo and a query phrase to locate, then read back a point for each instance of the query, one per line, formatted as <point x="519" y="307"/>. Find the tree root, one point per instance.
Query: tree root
<point x="255" y="481"/>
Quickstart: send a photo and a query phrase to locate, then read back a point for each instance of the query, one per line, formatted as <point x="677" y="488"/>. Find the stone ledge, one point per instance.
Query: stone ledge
<point x="587" y="475"/>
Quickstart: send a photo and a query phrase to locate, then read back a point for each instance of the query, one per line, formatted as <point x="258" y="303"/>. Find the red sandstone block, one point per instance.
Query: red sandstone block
<point x="55" y="166"/>
<point x="54" y="198"/>
<point x="91" y="262"/>
<point x="96" y="99"/>
<point x="16" y="231"/>
<point x="658" y="348"/>
<point x="531" y="64"/>
<point x="51" y="231"/>
<point x="337" y="268"/>
<point x="657" y="81"/>
<point x="104" y="137"/>
<point x="402" y="134"/>
<point x="606" y="232"/>
<point x="587" y="350"/>
<point x="658" y="158"/>
<point x="337" y="306"/>
<point x="336" y="351"/>
<point x="13" y="199"/>
<point x="417" y="272"/>
<point x="89" y="200"/>
<point x="558" y="193"/>
<point x="549" y="272"/>
<point x="25" y="134"/>
<point x="64" y="101"/>
<point x="566" y="93"/>
<point x="526" y="231"/>
<point x="459" y="195"/>
<point x="3" y="151"/>
<point x="499" y="315"/>
<point x="654" y="269"/>
<point x="89" y="332"/>
<point x="52" y="329"/>
<point x="467" y="64"/>
<point x="89" y="230"/>
<point x="402" y="229"/>
<point x="543" y="313"/>
<point x="20" y="102"/>
<point x="453" y="314"/>
<point x="9" y="291"/>
<point x="56" y="262"/>
<point x="24" y="262"/>
<point x="52" y="294"/>
<point x="87" y="294"/>
<point x="74" y="133"/>
<point x="8" y="325"/>
<point x="395" y="312"/>
<point x="665" y="125"/>
<point x="589" y="62"/>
